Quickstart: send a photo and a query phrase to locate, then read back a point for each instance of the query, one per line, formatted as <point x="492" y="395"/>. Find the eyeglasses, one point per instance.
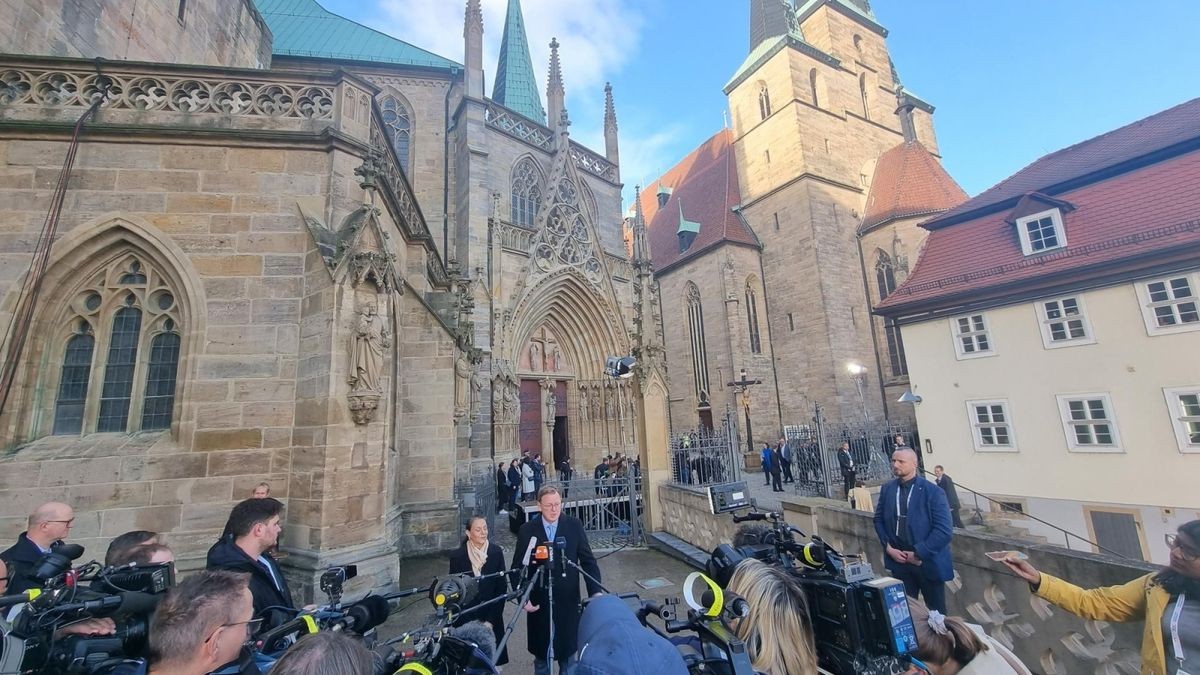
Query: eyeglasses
<point x="68" y="522"/>
<point x="1189" y="554"/>
<point x="251" y="627"/>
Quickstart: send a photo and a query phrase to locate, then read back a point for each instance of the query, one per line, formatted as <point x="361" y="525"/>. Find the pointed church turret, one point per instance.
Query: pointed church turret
<point x="516" y="88"/>
<point x="610" y="128"/>
<point x="641" y="246"/>
<point x="687" y="230"/>
<point x="473" y="48"/>
<point x="769" y="19"/>
<point x="555" y="93"/>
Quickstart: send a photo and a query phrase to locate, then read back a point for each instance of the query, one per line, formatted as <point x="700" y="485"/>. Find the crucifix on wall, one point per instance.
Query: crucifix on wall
<point x="544" y="354"/>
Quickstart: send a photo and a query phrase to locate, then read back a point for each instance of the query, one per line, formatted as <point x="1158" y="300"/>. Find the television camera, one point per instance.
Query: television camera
<point x="861" y="621"/>
<point x="36" y="642"/>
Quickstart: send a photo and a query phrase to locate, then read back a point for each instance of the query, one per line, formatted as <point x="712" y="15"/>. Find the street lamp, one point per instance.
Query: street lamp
<point x="858" y="373"/>
<point x="742" y="386"/>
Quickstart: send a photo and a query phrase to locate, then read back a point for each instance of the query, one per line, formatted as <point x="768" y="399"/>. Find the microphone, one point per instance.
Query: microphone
<point x="269" y="641"/>
<point x="20" y="598"/>
<point x="560" y="543"/>
<point x="529" y="551"/>
<point x="364" y="615"/>
<point x="476" y="633"/>
<point x="749" y="517"/>
<point x="57" y="561"/>
<point x="456" y="591"/>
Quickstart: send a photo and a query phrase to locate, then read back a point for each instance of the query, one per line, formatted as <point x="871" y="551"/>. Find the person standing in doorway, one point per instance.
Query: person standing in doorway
<point x="912" y="521"/>
<point x="945" y="482"/>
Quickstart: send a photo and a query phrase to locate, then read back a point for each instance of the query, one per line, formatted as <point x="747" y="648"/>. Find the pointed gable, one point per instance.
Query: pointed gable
<point x="701" y="190"/>
<point x="516" y="88"/>
<point x="909" y="181"/>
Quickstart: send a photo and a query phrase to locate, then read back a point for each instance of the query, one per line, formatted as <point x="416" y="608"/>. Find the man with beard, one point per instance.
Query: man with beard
<point x="254" y="527"/>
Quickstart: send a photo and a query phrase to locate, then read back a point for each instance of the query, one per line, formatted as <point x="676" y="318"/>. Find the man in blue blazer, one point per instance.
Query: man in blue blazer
<point x="912" y="520"/>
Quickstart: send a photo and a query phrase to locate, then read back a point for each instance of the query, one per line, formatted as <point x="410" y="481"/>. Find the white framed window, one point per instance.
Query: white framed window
<point x="1064" y="322"/>
<point x="971" y="337"/>
<point x="1170" y="304"/>
<point x="1041" y="232"/>
<point x="1089" y="423"/>
<point x="1183" y="403"/>
<point x="991" y="426"/>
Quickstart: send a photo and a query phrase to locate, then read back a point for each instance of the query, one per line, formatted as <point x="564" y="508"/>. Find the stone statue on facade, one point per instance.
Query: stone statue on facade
<point x="555" y="358"/>
<point x="535" y="357"/>
<point x="462" y="385"/>
<point x="368" y="340"/>
<point x="584" y="405"/>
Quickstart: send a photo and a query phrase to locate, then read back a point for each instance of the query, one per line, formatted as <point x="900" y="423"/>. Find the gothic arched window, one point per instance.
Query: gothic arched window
<point x="526" y="192"/>
<point x="120" y="360"/>
<point x="752" y="317"/>
<point x="862" y="92"/>
<point x="398" y="122"/>
<point x="815" y="84"/>
<point x="885" y="278"/>
<point x="764" y="101"/>
<point x="695" y="316"/>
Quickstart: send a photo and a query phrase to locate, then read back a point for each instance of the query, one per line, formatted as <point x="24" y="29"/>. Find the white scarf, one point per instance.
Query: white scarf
<point x="478" y="556"/>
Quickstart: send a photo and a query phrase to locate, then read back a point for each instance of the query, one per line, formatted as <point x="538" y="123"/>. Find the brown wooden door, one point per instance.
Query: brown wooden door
<point x="530" y="435"/>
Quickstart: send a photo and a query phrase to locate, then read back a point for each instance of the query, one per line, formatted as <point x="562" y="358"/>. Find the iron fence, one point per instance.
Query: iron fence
<point x="814" y="447"/>
<point x="703" y="456"/>
<point x="611" y="508"/>
<point x="476" y="496"/>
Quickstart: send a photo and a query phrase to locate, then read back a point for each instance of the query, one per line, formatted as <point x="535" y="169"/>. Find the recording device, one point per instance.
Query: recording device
<point x="333" y="581"/>
<point x="861" y="622"/>
<point x="129" y="594"/>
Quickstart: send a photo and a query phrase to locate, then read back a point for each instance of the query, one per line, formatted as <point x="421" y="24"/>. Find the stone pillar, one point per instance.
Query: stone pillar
<point x="653" y="439"/>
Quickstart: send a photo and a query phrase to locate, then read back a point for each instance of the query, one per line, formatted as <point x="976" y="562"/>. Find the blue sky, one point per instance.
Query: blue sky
<point x="1011" y="80"/>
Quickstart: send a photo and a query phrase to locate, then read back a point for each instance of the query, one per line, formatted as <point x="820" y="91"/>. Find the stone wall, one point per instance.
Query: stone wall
<point x="686" y="515"/>
<point x="200" y="32"/>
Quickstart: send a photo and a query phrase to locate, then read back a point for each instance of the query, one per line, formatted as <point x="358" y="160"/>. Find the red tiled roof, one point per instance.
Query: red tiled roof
<point x="909" y="181"/>
<point x="1134" y="221"/>
<point x="1154" y="133"/>
<point x="707" y="183"/>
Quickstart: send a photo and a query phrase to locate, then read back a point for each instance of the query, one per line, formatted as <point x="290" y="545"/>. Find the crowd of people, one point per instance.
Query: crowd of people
<point x="203" y="622"/>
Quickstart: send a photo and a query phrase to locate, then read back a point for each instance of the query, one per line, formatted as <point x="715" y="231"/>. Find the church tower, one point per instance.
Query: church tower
<point x="516" y="88"/>
<point x="813" y="108"/>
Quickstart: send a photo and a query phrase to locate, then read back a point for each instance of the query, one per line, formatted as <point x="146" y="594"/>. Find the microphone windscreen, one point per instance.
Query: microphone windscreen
<point x="560" y="542"/>
<point x="529" y="550"/>
<point x="138" y="603"/>
<point x="751" y="535"/>
<point x="369" y="612"/>
<point x="71" y="551"/>
<point x="479" y="634"/>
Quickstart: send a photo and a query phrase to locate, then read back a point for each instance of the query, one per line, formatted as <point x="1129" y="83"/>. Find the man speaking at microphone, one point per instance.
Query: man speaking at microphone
<point x="565" y="534"/>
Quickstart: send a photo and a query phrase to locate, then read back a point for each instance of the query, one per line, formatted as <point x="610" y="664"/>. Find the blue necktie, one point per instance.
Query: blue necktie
<point x="550" y="528"/>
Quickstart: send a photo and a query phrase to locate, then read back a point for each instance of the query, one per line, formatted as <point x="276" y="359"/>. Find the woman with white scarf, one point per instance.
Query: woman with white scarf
<point x="479" y="557"/>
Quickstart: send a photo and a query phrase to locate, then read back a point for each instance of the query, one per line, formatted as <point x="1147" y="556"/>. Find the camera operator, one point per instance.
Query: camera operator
<point x="325" y="653"/>
<point x="613" y="642"/>
<point x="550" y="527"/>
<point x="778" y="629"/>
<point x="122" y="544"/>
<point x="48" y="526"/>
<point x="254" y="526"/>
<point x="200" y="626"/>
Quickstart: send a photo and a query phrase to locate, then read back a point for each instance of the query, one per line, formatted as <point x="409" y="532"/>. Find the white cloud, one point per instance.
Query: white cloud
<point x="596" y="37"/>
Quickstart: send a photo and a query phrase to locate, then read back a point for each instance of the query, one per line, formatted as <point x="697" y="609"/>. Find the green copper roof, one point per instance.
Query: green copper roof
<point x="686" y="225"/>
<point x="768" y="48"/>
<point x="305" y="28"/>
<point x="859" y="8"/>
<point x="516" y="88"/>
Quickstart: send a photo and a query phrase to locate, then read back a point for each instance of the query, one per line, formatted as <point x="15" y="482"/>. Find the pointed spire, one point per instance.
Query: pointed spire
<point x="770" y="19"/>
<point x="473" y="48"/>
<point x="555" y="93"/>
<point x="611" y="151"/>
<point x="641" y="247"/>
<point x="516" y="88"/>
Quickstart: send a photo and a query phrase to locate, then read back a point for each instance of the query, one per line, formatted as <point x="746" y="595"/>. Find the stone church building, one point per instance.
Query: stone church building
<point x="775" y="237"/>
<point x="254" y="240"/>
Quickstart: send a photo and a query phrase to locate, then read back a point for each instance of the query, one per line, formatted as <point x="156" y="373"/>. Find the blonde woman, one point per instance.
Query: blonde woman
<point x="777" y="631"/>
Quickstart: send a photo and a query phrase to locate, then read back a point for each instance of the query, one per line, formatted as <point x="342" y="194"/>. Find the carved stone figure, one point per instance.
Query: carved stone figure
<point x="597" y="403"/>
<point x="584" y="405"/>
<point x="555" y="358"/>
<point x="462" y="385"/>
<point x="370" y="338"/>
<point x="535" y="357"/>
<point x="609" y="404"/>
<point x="551" y="408"/>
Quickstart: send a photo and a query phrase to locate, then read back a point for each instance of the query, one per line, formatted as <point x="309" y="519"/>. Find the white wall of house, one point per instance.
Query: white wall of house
<point x="1145" y="464"/>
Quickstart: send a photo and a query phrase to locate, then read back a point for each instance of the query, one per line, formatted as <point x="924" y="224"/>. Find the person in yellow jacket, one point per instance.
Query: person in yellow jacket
<point x="1168" y="601"/>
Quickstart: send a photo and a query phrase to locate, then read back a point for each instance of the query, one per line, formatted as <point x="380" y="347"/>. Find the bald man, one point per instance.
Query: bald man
<point x="912" y="520"/>
<point x="49" y="524"/>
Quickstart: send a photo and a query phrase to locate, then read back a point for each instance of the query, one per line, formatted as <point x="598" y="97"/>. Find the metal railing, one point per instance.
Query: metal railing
<point x="611" y="506"/>
<point x="702" y="456"/>
<point x="978" y="518"/>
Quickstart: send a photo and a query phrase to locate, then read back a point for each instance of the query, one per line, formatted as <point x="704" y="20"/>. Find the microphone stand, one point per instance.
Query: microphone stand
<point x="589" y="577"/>
<point x="550" y="601"/>
<point x="512" y="625"/>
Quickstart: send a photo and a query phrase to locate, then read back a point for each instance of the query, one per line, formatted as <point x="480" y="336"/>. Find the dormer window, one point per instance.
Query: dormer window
<point x="1041" y="232"/>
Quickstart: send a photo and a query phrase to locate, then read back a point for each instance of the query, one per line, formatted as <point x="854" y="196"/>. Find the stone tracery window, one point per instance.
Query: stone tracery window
<point x="398" y="122"/>
<point x="526" y="192"/>
<point x="695" y="315"/>
<point x="885" y="278"/>
<point x="120" y="359"/>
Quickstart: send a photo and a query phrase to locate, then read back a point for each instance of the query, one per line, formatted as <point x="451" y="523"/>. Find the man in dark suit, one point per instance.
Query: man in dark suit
<point x="551" y="526"/>
<point x="947" y="484"/>
<point x="47" y="527"/>
<point x="846" y="462"/>
<point x="254" y="527"/>
<point x="912" y="520"/>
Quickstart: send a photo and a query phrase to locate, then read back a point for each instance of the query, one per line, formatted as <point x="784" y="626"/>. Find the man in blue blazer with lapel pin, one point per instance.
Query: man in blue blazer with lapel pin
<point x="912" y="520"/>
